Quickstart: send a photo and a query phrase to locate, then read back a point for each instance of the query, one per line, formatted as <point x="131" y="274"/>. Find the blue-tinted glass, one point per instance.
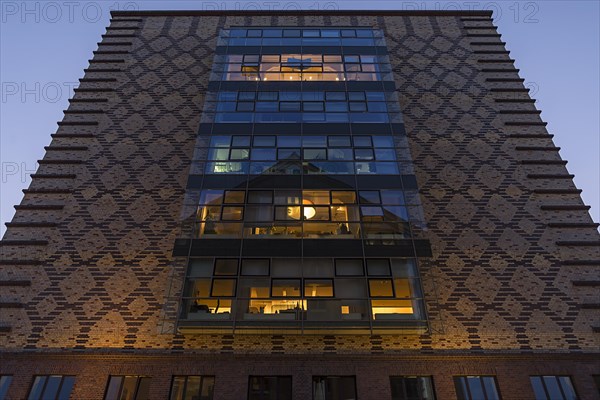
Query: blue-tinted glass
<point x="538" y="388"/>
<point x="567" y="387"/>
<point x="362" y="141"/>
<point x="264" y="141"/>
<point x="385" y="155"/>
<point x="291" y="41"/>
<point x="364" y="33"/>
<point x="369" y="197"/>
<point x="489" y="384"/>
<point x="266" y="106"/>
<point x="234" y="117"/>
<point x="356" y="96"/>
<point x="272" y="41"/>
<point x="254" y="33"/>
<point x="392" y="197"/>
<point x="369" y="117"/>
<point x="313" y="96"/>
<point x="67" y="386"/>
<point x="348" y="33"/>
<point x="315" y="154"/>
<point x="263" y="154"/>
<point x="245" y="106"/>
<point x="227" y="96"/>
<point x="268" y="96"/>
<point x="288" y="154"/>
<point x="338" y="106"/>
<point x="246" y="96"/>
<point x="237" y="42"/>
<point x="552" y="387"/>
<point x="351" y="59"/>
<point x="339" y="141"/>
<point x="272" y="32"/>
<point x="358" y="107"/>
<point x="313" y="106"/>
<point x="375" y="96"/>
<point x="475" y="387"/>
<point x="330" y="33"/>
<point x="289" y="106"/>
<point x="226" y="106"/>
<point x="314" y="141"/>
<point x="340" y="154"/>
<point x="460" y="384"/>
<point x="336" y="117"/>
<point x="240" y="141"/>
<point x="311" y="33"/>
<point x="51" y="389"/>
<point x="290" y="96"/>
<point x="291" y="32"/>
<point x="335" y="96"/>
<point x="377" y="106"/>
<point x="313" y="117"/>
<point x="237" y="32"/>
<point x="289" y="141"/>
<point x="383" y="141"/>
<point x="5" y="381"/>
<point x="363" y="154"/>
<point x="357" y="42"/>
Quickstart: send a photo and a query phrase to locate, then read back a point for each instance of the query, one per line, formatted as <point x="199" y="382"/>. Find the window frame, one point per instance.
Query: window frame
<point x="403" y="378"/>
<point x="486" y="395"/>
<point x="119" y="392"/>
<point x="261" y="395"/>
<point x="42" y="393"/>
<point x="202" y="377"/>
<point x="548" y="395"/>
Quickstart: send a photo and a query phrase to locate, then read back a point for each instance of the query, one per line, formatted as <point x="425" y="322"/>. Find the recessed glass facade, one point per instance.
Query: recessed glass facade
<point x="302" y="205"/>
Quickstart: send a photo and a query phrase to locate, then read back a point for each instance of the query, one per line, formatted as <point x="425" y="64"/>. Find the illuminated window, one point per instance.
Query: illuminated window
<point x="318" y="288"/>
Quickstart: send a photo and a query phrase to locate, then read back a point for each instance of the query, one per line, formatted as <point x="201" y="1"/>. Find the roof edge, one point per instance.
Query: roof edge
<point x="207" y="13"/>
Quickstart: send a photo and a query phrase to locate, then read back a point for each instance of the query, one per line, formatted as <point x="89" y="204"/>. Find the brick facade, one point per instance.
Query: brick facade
<point x="86" y="262"/>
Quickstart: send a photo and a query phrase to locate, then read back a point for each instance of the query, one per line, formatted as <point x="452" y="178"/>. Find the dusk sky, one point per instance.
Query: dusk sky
<point x="45" y="46"/>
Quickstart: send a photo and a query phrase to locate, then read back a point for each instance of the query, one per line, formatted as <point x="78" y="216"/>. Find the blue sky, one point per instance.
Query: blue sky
<point x="45" y="45"/>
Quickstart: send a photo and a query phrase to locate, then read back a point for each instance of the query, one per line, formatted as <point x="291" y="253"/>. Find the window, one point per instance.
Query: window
<point x="129" y="387"/>
<point x="349" y="267"/>
<point x="318" y="288"/>
<point x="334" y="388"/>
<point x="285" y="288"/>
<point x="550" y="387"/>
<point x="5" y="381"/>
<point x="192" y="387"/>
<point x="476" y="388"/>
<point x="270" y="387"/>
<point x="226" y="266"/>
<point x="255" y="267"/>
<point x="51" y="387"/>
<point x="381" y="288"/>
<point x="223" y="288"/>
<point x="412" y="388"/>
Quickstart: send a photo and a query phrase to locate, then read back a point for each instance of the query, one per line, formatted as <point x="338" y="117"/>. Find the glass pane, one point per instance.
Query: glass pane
<point x="475" y="387"/>
<point x="289" y="141"/>
<point x="362" y="141"/>
<point x="349" y="267"/>
<point x="552" y="387"/>
<point x="318" y="288"/>
<point x="36" y="388"/>
<point x="65" y="389"/>
<point x="226" y="266"/>
<point x="350" y="288"/>
<point x="208" y="384"/>
<point x="177" y="388"/>
<point x="260" y="197"/>
<point x="381" y="288"/>
<point x="223" y="287"/>
<point x="5" y="381"/>
<point x="567" y="387"/>
<point x="143" y="392"/>
<point x="489" y="384"/>
<point x="52" y="385"/>
<point x="426" y="388"/>
<point x="193" y="387"/>
<point x="285" y="288"/>
<point x="369" y="197"/>
<point x="114" y="384"/>
<point x="460" y="384"/>
<point x="286" y="267"/>
<point x="234" y="196"/>
<point x="129" y="387"/>
<point x="254" y="288"/>
<point x="211" y="197"/>
<point x="378" y="267"/>
<point x="264" y="141"/>
<point x="392" y="197"/>
<point x="255" y="267"/>
<point x="538" y="388"/>
<point x="231" y="213"/>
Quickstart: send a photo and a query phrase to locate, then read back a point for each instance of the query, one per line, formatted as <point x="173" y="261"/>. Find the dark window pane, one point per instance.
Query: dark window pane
<point x="313" y="106"/>
<point x="143" y="392"/>
<point x="489" y="383"/>
<point x="245" y="106"/>
<point x="358" y="107"/>
<point x="177" y="388"/>
<point x="289" y="106"/>
<point x="114" y="384"/>
<point x="460" y="384"/>
<point x="338" y="96"/>
<point x="349" y="267"/>
<point x="5" y="381"/>
<point x="258" y="267"/>
<point x="266" y="106"/>
<point x="246" y="96"/>
<point x="208" y="384"/>
<point x="369" y="197"/>
<point x="240" y="141"/>
<point x="314" y="141"/>
<point x="567" y="387"/>
<point x="362" y="141"/>
<point x="356" y="96"/>
<point x="260" y="197"/>
<point x="339" y="106"/>
<point x="234" y="196"/>
<point x="268" y="96"/>
<point x="552" y="387"/>
<point x="378" y="267"/>
<point x="291" y="33"/>
<point x="339" y="141"/>
<point x="227" y="266"/>
<point x="289" y="141"/>
<point x="475" y="387"/>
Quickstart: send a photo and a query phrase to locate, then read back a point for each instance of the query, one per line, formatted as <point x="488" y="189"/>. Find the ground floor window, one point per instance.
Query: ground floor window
<point x="334" y="388"/>
<point x="270" y="388"/>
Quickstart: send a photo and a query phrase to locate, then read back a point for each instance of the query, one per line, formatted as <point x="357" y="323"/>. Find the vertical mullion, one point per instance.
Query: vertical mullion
<point x="545" y="388"/>
<point x="62" y="380"/>
<point x="44" y="387"/>
<point x="469" y="397"/>
<point x="562" y="392"/>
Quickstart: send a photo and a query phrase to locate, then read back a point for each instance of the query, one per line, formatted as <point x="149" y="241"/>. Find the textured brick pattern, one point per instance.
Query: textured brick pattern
<point x="500" y="211"/>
